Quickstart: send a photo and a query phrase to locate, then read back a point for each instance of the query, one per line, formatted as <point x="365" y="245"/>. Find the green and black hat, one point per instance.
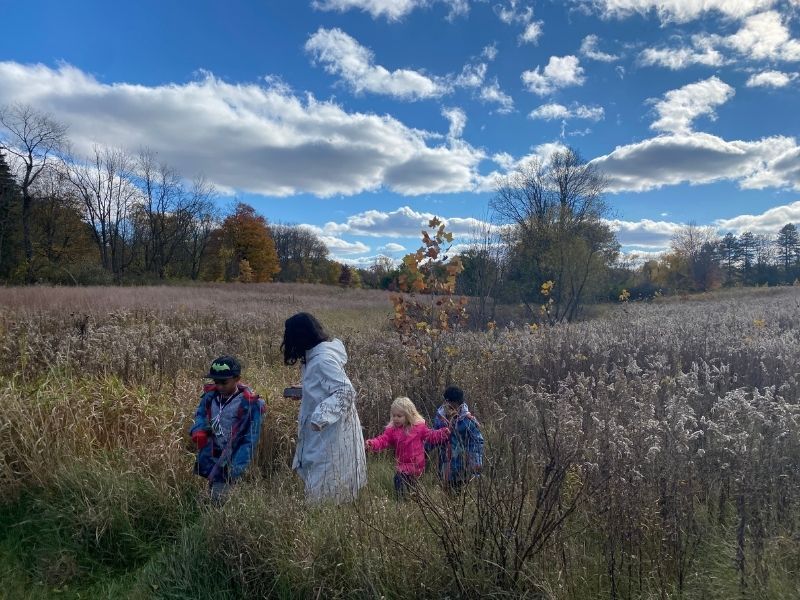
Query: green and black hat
<point x="224" y="367"/>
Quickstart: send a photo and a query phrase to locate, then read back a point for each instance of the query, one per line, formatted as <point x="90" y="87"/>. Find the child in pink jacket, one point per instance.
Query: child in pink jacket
<point x="407" y="434"/>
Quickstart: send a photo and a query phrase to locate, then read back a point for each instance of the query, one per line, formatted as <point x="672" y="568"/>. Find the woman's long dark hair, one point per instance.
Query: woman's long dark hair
<point x="301" y="333"/>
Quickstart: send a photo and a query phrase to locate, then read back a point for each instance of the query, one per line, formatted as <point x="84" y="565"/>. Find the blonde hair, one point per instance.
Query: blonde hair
<point x="406" y="406"/>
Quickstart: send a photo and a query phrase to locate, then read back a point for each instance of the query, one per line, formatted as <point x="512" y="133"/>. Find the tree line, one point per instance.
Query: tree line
<point x="546" y="246"/>
<point x="701" y="260"/>
<point x="118" y="217"/>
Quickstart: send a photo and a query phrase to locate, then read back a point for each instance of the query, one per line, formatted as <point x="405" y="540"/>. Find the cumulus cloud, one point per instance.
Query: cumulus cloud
<point x="457" y="119"/>
<point x="472" y="75"/>
<point x="764" y="36"/>
<point x="514" y="13"/>
<point x="343" y="56"/>
<point x="645" y="233"/>
<point x="589" y="49"/>
<point x="680" y="11"/>
<point x="646" y="238"/>
<point x="679" y="108"/>
<point x="259" y="138"/>
<point x="533" y="31"/>
<point x="507" y="163"/>
<point x="492" y="94"/>
<point x="702" y="52"/>
<point x="490" y="52"/>
<point x="553" y="111"/>
<point x="770" y="221"/>
<point x="404" y="222"/>
<point x="560" y="72"/>
<point x="340" y="247"/>
<point x="391" y="10"/>
<point x="775" y="79"/>
<point x="698" y="158"/>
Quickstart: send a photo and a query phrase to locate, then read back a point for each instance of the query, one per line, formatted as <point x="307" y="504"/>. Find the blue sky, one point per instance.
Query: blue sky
<point x="360" y="118"/>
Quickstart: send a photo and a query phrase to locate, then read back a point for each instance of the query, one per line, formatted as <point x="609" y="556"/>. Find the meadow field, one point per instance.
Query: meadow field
<point x="650" y="452"/>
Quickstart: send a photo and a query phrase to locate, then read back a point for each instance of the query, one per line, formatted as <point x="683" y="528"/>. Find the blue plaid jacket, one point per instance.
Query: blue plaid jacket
<point x="463" y="456"/>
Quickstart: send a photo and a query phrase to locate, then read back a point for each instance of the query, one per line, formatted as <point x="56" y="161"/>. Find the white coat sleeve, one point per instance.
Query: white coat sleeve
<point x="341" y="394"/>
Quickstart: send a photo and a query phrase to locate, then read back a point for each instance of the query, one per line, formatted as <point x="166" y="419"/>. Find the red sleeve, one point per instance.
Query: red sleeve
<point x="437" y="437"/>
<point x="381" y="442"/>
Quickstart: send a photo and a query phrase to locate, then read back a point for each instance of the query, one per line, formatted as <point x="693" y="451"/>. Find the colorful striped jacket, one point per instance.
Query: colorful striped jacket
<point x="227" y="462"/>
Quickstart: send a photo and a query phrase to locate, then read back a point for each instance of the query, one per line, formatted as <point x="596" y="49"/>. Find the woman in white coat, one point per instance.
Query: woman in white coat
<point x="330" y="454"/>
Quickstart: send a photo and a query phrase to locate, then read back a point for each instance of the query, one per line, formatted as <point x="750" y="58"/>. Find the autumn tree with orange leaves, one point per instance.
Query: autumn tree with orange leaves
<point x="243" y="249"/>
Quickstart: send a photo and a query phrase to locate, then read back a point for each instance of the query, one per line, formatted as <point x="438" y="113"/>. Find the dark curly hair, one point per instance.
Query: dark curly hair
<point x="301" y="333"/>
<point x="453" y="395"/>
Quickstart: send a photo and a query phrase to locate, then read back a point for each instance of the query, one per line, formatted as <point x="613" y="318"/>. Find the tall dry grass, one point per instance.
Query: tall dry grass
<point x="651" y="453"/>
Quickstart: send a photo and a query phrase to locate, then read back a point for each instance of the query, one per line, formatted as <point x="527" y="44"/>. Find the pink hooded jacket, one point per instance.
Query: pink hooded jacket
<point x="409" y="445"/>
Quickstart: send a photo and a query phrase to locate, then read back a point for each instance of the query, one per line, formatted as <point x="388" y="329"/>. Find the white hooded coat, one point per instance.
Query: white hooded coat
<point x="331" y="462"/>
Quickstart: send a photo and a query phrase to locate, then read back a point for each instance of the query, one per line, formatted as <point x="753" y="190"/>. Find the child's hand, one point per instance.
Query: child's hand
<point x="200" y="438"/>
<point x="368" y="445"/>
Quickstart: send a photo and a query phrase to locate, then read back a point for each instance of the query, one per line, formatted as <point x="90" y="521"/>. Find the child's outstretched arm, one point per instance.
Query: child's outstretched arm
<point x="437" y="437"/>
<point x="439" y="423"/>
<point x="380" y="442"/>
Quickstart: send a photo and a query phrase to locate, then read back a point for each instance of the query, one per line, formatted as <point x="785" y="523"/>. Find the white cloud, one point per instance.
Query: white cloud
<point x="365" y="262"/>
<point x="490" y="52"/>
<point x="680" y="107"/>
<point x="533" y="31"/>
<point x="507" y="163"/>
<point x="403" y="222"/>
<point x="492" y="94"/>
<point x="391" y="10"/>
<point x="764" y="36"/>
<point x="458" y="120"/>
<point x="392" y="247"/>
<point x="646" y="238"/>
<point x="472" y="75"/>
<point x="645" y="233"/>
<point x="699" y="158"/>
<point x="256" y="138"/>
<point x="552" y="111"/>
<point x="560" y="72"/>
<point x="589" y="50"/>
<point x="342" y="55"/>
<point x="512" y="13"/>
<point x="775" y="79"/>
<point x="340" y="247"/>
<point x="770" y="221"/>
<point x="680" y="11"/>
<point x="701" y="52"/>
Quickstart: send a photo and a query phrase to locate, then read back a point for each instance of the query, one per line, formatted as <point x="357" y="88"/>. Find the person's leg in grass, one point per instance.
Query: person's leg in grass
<point x="403" y="484"/>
